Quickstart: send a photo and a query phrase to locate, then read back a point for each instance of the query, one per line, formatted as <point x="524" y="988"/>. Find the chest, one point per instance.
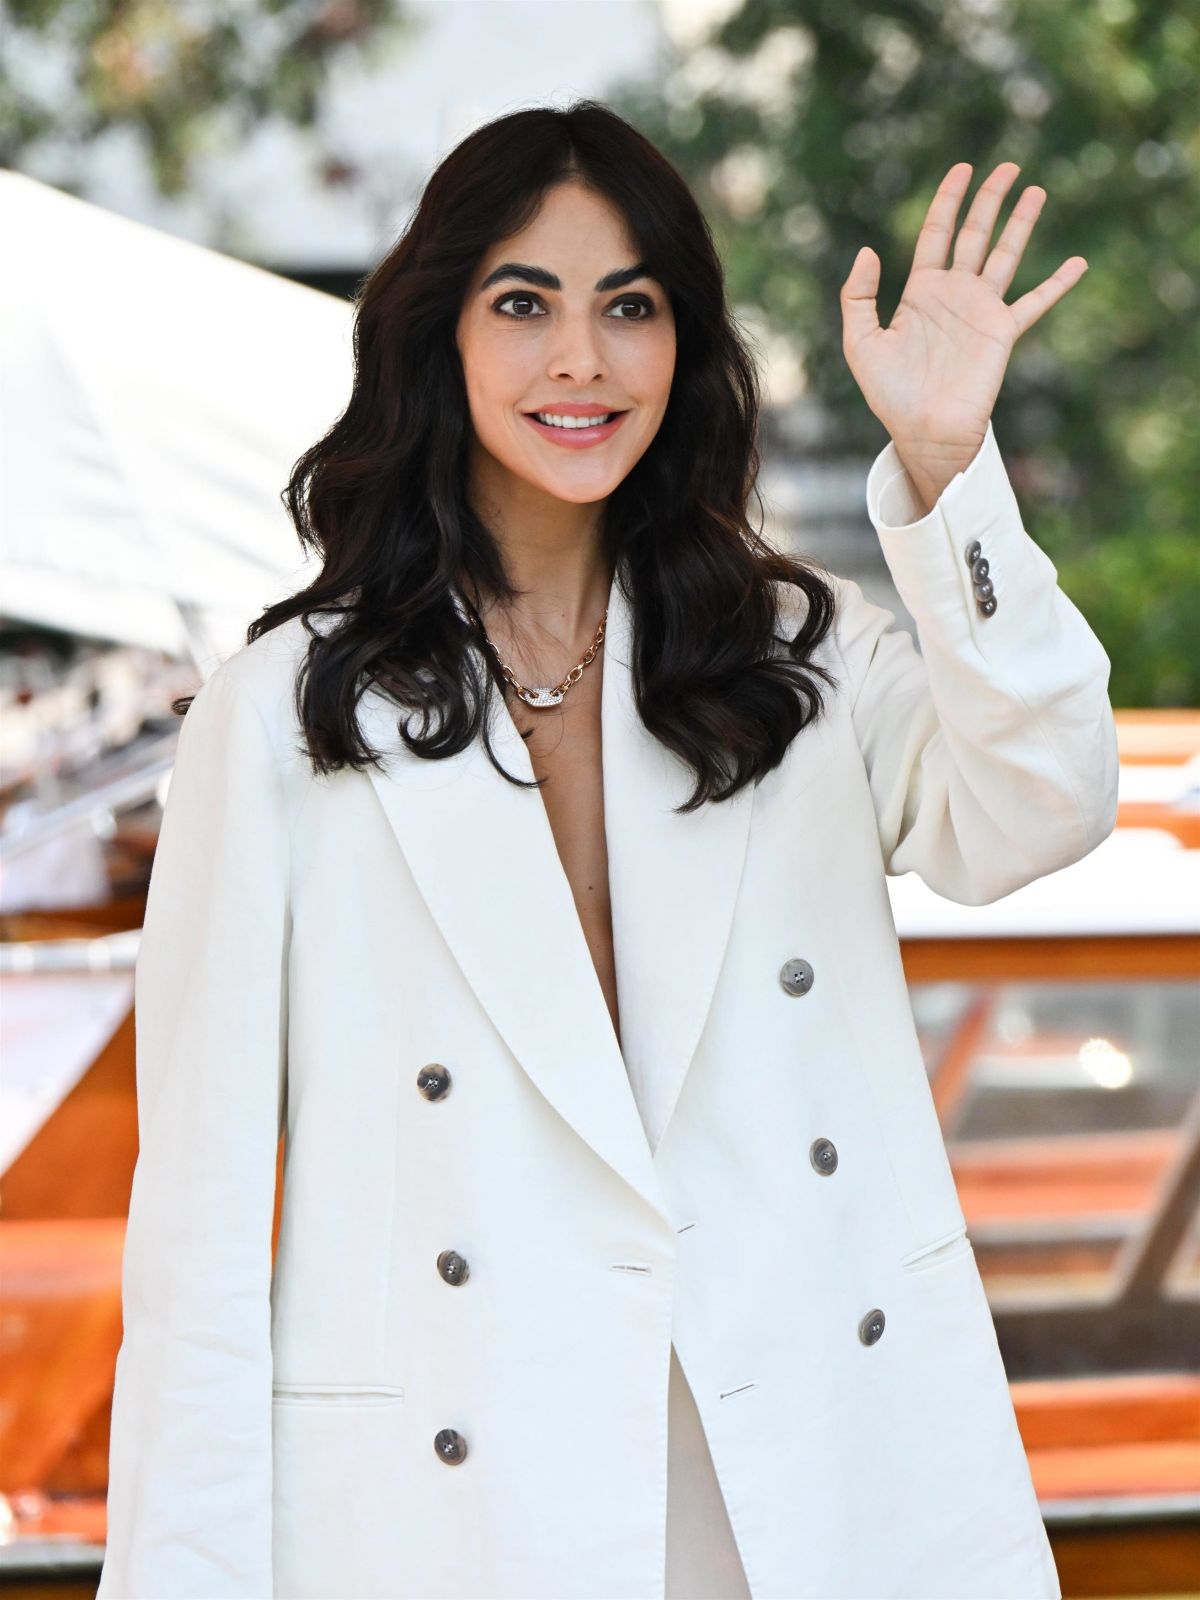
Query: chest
<point x="565" y="750"/>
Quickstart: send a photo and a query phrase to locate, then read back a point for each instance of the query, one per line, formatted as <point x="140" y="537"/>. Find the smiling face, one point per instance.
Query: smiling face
<point x="560" y="318"/>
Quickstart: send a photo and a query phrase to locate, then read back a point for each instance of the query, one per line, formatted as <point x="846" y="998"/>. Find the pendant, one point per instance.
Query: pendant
<point x="543" y="697"/>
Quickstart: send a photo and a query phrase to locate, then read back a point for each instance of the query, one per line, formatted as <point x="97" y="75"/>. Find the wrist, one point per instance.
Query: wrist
<point x="931" y="465"/>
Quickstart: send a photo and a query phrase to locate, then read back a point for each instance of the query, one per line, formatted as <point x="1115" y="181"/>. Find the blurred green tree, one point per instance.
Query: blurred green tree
<point x="186" y="80"/>
<point x="811" y="127"/>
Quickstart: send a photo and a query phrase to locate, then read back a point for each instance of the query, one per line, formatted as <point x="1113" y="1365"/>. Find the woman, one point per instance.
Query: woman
<point x="586" y="1092"/>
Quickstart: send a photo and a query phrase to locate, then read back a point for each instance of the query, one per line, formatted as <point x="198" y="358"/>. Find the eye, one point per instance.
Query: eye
<point x="642" y="301"/>
<point x="521" y="295"/>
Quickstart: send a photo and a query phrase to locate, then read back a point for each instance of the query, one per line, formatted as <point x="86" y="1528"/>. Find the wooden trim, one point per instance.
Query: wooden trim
<point x="1052" y="958"/>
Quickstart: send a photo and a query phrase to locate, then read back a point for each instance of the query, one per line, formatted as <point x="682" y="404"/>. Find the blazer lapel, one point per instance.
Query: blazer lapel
<point x="673" y="880"/>
<point x="483" y="856"/>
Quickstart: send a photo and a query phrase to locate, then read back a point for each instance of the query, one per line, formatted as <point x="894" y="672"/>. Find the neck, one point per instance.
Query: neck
<point x="553" y="555"/>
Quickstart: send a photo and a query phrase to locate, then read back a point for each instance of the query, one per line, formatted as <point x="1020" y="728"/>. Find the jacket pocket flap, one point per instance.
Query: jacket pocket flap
<point x="363" y="1393"/>
<point x="933" y="1254"/>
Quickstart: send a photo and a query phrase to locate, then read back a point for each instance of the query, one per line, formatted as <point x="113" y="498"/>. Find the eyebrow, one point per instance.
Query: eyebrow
<point x="550" y="280"/>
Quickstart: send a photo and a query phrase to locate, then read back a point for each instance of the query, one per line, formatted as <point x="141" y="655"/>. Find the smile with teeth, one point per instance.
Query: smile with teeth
<point x="552" y="420"/>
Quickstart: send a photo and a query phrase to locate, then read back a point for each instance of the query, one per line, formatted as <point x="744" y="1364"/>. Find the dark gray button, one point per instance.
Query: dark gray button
<point x="453" y="1267"/>
<point x="870" y="1329"/>
<point x="987" y="606"/>
<point x="449" y="1446"/>
<point x="434" y="1081"/>
<point x="823" y="1155"/>
<point x="973" y="551"/>
<point x="796" y="976"/>
<point x="980" y="569"/>
<point x="984" y="590"/>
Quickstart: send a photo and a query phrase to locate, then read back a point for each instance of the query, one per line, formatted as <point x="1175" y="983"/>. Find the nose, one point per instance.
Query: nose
<point x="578" y="352"/>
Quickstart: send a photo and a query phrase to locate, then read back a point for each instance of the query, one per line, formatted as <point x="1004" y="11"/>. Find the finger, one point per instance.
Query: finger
<point x="1031" y="306"/>
<point x="976" y="232"/>
<point x="1000" y="268"/>
<point x="934" y="238"/>
<point x="859" y="316"/>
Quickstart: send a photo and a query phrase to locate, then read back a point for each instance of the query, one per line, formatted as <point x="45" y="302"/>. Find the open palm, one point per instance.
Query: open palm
<point x="932" y="375"/>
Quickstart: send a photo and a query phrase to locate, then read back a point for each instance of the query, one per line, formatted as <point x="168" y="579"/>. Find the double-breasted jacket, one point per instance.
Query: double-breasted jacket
<point x="453" y="1383"/>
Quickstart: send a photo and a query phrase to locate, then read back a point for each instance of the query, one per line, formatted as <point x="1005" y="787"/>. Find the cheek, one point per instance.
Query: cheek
<point x="656" y="369"/>
<point x="495" y="391"/>
<point x="495" y="368"/>
<point x="493" y="377"/>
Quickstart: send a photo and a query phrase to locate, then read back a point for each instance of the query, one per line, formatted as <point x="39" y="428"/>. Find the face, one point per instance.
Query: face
<point x="558" y="319"/>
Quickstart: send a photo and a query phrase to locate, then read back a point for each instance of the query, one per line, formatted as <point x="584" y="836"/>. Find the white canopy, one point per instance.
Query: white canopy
<point x="154" y="396"/>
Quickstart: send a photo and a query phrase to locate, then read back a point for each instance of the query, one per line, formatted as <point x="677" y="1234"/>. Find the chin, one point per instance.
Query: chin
<point x="583" y="494"/>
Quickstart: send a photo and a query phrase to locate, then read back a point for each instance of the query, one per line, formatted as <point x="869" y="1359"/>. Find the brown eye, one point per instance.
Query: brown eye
<point x="642" y="302"/>
<point x="527" y="299"/>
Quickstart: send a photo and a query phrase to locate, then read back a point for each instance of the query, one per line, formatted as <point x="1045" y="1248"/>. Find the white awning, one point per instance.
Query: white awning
<point x="154" y="397"/>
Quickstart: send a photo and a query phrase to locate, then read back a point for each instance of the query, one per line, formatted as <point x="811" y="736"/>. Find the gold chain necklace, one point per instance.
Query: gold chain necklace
<point x="542" y="697"/>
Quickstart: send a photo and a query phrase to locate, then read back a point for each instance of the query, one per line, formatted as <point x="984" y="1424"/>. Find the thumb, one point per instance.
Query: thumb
<point x="859" y="317"/>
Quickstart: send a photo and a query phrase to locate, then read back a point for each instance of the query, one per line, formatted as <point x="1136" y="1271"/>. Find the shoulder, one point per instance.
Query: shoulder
<point x="793" y="609"/>
<point x="861" y="634"/>
<point x="260" y="677"/>
<point x="854" y="614"/>
<point x="263" y="669"/>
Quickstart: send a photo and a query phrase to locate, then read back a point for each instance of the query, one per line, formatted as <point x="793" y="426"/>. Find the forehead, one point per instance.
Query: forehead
<point x="573" y="223"/>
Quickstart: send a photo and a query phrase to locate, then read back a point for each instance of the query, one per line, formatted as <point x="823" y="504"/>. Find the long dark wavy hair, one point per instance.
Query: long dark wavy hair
<point x="383" y="500"/>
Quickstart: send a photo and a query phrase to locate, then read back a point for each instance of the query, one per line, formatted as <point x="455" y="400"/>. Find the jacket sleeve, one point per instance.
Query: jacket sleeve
<point x="991" y="753"/>
<point x="189" y="1492"/>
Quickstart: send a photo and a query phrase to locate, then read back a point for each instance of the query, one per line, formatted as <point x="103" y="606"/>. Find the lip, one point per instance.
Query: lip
<point x="576" y="438"/>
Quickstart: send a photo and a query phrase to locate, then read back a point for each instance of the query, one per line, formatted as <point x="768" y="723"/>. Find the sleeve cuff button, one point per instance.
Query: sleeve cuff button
<point x="985" y="596"/>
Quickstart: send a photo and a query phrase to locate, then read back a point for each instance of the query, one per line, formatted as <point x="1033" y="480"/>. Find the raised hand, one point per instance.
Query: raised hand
<point x="933" y="374"/>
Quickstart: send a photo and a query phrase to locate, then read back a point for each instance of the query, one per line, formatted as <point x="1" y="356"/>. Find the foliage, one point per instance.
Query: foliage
<point x="186" y="79"/>
<point x="811" y="127"/>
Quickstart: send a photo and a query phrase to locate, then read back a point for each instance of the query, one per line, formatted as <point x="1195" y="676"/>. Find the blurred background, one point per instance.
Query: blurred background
<point x="190" y="195"/>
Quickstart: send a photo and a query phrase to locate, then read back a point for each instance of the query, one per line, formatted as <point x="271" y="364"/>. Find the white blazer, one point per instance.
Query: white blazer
<point x="389" y="966"/>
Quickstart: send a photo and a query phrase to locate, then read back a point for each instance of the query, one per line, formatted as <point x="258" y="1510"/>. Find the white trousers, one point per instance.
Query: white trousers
<point x="702" y="1558"/>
